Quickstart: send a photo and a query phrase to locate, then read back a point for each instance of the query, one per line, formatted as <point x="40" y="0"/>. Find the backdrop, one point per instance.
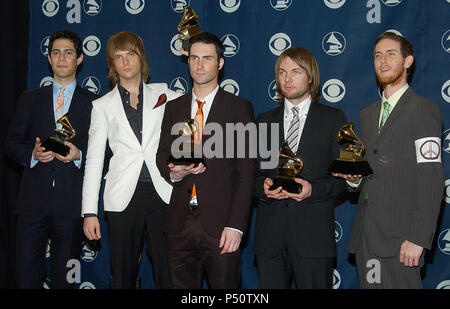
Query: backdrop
<point x="340" y="33"/>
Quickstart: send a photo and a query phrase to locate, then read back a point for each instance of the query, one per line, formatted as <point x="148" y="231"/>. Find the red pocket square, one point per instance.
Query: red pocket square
<point x="161" y="100"/>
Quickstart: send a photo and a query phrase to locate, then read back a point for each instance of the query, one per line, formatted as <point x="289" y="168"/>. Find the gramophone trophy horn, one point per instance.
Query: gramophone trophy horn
<point x="188" y="27"/>
<point x="288" y="171"/>
<point x="350" y="160"/>
<point x="55" y="142"/>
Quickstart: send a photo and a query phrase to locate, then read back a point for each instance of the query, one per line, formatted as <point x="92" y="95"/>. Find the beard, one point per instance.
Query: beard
<point x="392" y="78"/>
<point x="295" y="95"/>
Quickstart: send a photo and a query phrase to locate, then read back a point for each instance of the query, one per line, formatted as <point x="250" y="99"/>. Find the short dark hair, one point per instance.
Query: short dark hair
<point x="69" y="35"/>
<point x="208" y="38"/>
<point x="405" y="47"/>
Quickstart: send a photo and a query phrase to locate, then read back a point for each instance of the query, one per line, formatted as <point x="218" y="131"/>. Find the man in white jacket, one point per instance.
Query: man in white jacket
<point x="136" y="196"/>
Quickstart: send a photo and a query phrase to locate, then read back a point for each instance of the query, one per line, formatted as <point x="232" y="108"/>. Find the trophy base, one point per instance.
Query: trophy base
<point x="287" y="183"/>
<point x="51" y="144"/>
<point x="351" y="168"/>
<point x="185" y="160"/>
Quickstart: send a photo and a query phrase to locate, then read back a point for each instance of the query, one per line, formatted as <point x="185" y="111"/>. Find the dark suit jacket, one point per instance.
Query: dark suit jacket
<point x="404" y="196"/>
<point x="224" y="190"/>
<point x="309" y="225"/>
<point x="35" y="118"/>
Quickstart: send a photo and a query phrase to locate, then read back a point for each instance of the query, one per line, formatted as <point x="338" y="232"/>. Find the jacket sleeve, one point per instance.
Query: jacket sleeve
<point x="18" y="145"/>
<point x="328" y="187"/>
<point x="98" y="134"/>
<point x="429" y="178"/>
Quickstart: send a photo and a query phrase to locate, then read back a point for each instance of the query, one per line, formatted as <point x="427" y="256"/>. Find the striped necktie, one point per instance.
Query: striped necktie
<point x="59" y="107"/>
<point x="384" y="116"/>
<point x="198" y="134"/>
<point x="292" y="133"/>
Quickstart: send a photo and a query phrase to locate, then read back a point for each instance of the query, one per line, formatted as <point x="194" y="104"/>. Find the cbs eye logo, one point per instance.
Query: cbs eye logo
<point x="230" y="86"/>
<point x="334" y="4"/>
<point x="333" y="90"/>
<point x="134" y="6"/>
<point x="229" y="6"/>
<point x="91" y="45"/>
<point x="50" y="7"/>
<point x="445" y="91"/>
<point x="391" y="2"/>
<point x="46" y="81"/>
<point x="336" y="279"/>
<point x="176" y="44"/>
<point x="278" y="43"/>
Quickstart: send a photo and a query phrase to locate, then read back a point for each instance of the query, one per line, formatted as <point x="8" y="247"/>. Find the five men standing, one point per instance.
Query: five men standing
<point x="201" y="229"/>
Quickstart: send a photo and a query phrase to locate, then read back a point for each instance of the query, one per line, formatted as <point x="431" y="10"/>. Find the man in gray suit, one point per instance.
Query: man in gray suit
<point x="399" y="203"/>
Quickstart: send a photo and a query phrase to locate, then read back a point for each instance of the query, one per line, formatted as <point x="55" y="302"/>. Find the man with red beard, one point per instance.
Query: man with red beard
<point x="399" y="204"/>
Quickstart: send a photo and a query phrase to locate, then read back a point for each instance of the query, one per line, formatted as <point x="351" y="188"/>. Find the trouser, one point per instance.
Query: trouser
<point x="31" y="243"/>
<point x="141" y="221"/>
<point x="193" y="252"/>
<point x="385" y="272"/>
<point x="309" y="272"/>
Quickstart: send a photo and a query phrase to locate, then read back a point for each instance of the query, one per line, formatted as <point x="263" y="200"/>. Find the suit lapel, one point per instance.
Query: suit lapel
<point x="397" y="111"/>
<point x="48" y="114"/>
<point x="308" y="134"/>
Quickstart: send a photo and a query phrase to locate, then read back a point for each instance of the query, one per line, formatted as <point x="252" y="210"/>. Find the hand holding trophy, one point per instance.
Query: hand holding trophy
<point x="55" y="142"/>
<point x="350" y="161"/>
<point x="287" y="172"/>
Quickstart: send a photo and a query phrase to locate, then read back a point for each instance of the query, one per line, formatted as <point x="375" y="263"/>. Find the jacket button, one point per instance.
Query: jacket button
<point x="375" y="151"/>
<point x="189" y="191"/>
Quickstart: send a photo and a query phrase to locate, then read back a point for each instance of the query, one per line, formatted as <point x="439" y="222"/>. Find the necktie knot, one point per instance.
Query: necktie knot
<point x="295" y="110"/>
<point x="200" y="104"/>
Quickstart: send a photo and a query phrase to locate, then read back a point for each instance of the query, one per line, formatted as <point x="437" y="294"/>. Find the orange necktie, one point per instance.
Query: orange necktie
<point x="198" y="134"/>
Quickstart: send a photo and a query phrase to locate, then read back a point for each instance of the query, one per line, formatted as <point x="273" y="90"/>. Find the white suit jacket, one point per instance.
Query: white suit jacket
<point x="109" y="122"/>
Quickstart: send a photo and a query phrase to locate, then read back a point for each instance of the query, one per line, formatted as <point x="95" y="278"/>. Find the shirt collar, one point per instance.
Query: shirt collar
<point x="70" y="88"/>
<point x="303" y="107"/>
<point x="393" y="100"/>
<point x="124" y="91"/>
<point x="208" y="99"/>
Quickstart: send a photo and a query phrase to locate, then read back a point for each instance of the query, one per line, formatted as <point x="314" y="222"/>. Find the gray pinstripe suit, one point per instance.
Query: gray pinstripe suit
<point x="401" y="199"/>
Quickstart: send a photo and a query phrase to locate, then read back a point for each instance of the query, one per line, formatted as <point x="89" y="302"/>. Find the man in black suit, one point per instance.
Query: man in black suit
<point x="295" y="230"/>
<point x="49" y="201"/>
<point x="205" y="222"/>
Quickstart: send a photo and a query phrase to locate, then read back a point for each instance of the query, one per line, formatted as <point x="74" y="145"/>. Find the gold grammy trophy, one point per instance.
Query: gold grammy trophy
<point x="55" y="142"/>
<point x="188" y="152"/>
<point x="350" y="159"/>
<point x="287" y="172"/>
<point x="188" y="27"/>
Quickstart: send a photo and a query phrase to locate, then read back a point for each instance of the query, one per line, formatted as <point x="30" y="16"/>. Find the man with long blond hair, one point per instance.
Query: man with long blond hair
<point x="294" y="234"/>
<point x="135" y="198"/>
